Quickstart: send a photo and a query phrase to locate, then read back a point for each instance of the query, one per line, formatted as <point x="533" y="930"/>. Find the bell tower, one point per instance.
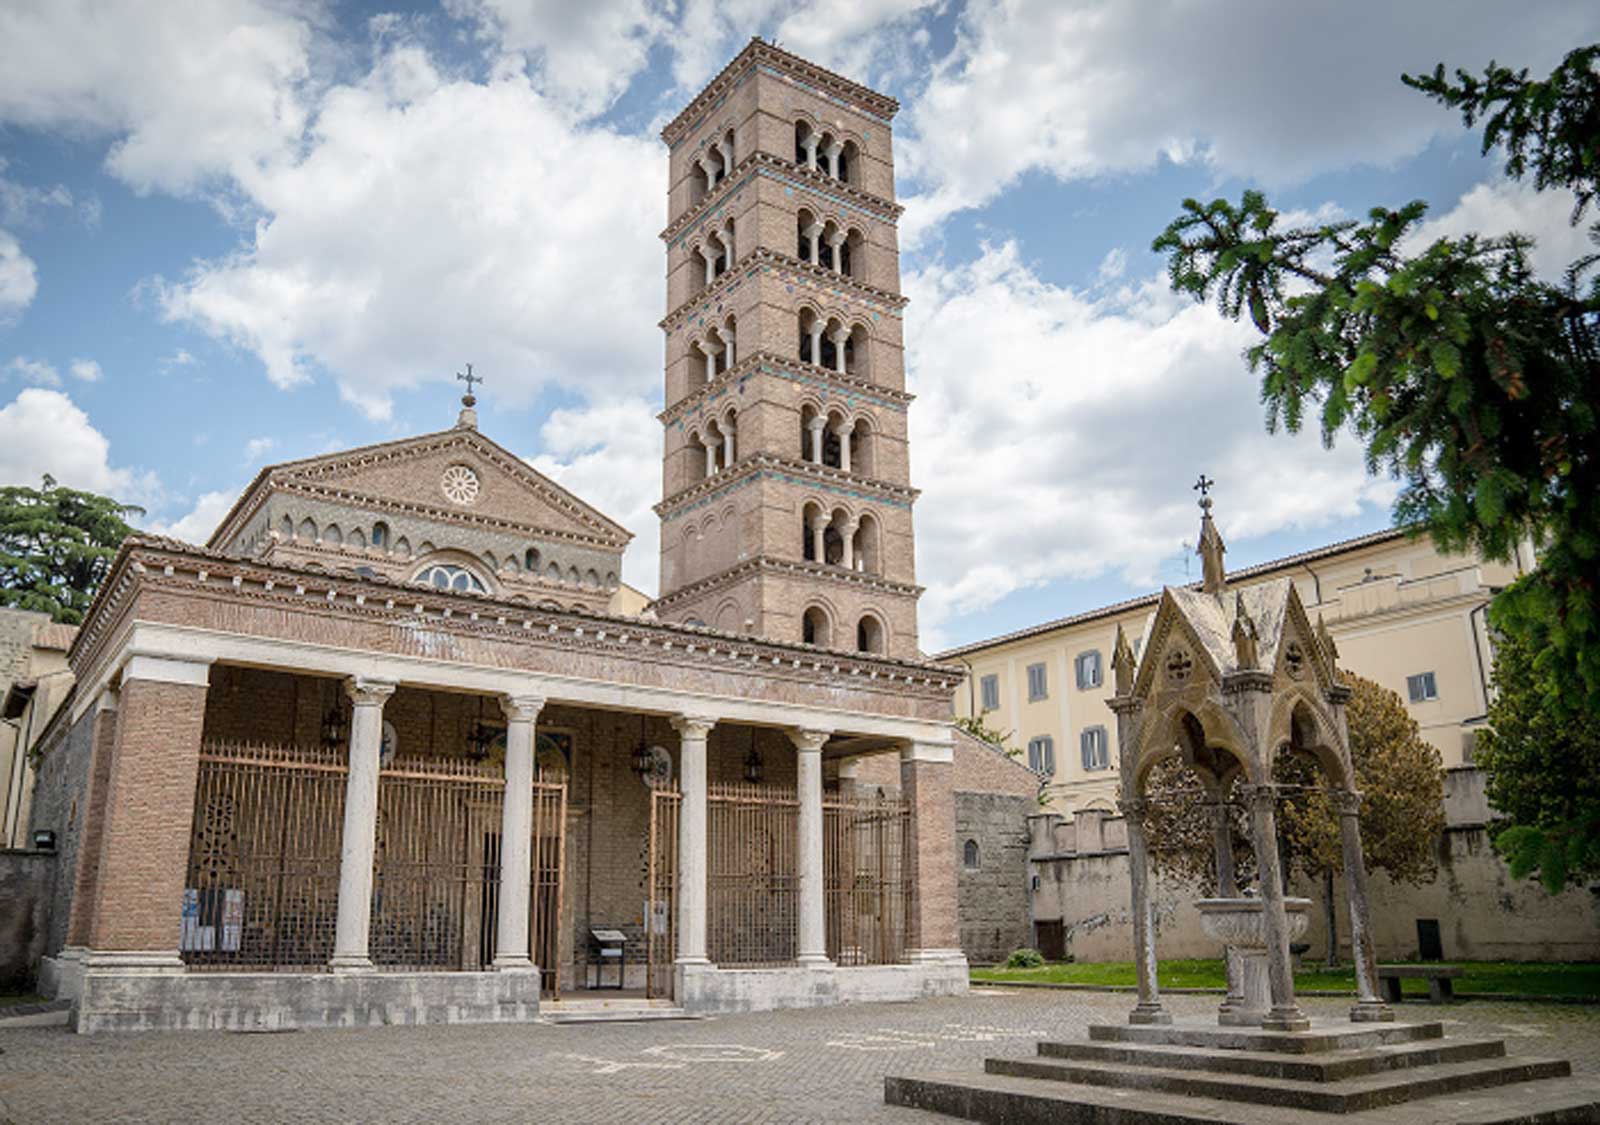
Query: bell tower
<point x="787" y="500"/>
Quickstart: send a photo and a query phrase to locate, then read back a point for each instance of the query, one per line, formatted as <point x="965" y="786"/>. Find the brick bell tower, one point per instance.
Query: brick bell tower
<point x="786" y="507"/>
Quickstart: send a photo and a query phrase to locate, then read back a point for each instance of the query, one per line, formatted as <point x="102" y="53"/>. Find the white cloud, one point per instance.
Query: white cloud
<point x="35" y="371"/>
<point x="44" y="431"/>
<point x="1503" y="206"/>
<point x="430" y="222"/>
<point x="1265" y="90"/>
<point x="19" y="278"/>
<point x="85" y="370"/>
<point x="257" y="448"/>
<point x="610" y="456"/>
<point x="189" y="92"/>
<point x="1056" y="433"/>
<point x="583" y="54"/>
<point x="196" y="525"/>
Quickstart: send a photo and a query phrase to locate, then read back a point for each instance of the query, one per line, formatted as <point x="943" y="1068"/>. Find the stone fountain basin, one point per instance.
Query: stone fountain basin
<point x="1240" y="924"/>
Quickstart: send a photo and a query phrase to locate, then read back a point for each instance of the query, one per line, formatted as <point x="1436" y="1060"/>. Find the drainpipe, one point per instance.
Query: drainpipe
<point x="1316" y="583"/>
<point x="1477" y="648"/>
<point x="972" y="700"/>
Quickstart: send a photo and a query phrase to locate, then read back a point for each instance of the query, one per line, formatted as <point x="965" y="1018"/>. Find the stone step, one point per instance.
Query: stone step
<point x="1325" y="1035"/>
<point x="1003" y="1100"/>
<point x="1348" y="1096"/>
<point x="1331" y="1066"/>
<point x="615" y="1015"/>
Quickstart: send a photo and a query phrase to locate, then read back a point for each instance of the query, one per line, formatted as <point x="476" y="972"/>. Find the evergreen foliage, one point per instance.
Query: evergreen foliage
<point x="1468" y="378"/>
<point x="56" y="546"/>
<point x="1543" y="775"/>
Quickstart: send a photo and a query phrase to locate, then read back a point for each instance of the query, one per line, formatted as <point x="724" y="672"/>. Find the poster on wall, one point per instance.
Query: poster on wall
<point x="658" y="914"/>
<point x="232" y="920"/>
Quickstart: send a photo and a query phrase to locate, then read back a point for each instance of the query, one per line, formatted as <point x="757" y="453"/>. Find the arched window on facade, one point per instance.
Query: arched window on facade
<point x="812" y="523"/>
<point x="869" y="634"/>
<point x="447" y="576"/>
<point x="862" y="449"/>
<point x="380" y="536"/>
<point x="970" y="858"/>
<point x="814" y="627"/>
<point x="530" y="560"/>
<point x="867" y="545"/>
<point x="848" y="167"/>
<point x="807" y="232"/>
<point x="332" y="536"/>
<point x="853" y="255"/>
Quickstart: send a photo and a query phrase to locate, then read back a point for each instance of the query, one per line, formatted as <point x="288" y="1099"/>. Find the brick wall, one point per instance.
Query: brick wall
<point x="60" y="805"/>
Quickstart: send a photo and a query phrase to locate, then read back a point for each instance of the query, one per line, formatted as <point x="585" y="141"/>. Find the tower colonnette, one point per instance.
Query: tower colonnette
<point x="787" y="503"/>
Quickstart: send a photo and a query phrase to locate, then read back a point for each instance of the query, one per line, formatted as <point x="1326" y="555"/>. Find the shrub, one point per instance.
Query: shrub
<point x="1024" y="959"/>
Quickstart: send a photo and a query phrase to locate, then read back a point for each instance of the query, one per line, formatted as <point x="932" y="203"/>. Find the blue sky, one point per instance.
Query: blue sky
<point x="254" y="230"/>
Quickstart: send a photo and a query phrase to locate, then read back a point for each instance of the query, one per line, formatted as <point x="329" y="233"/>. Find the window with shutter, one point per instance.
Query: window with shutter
<point x="1038" y="684"/>
<point x="989" y="688"/>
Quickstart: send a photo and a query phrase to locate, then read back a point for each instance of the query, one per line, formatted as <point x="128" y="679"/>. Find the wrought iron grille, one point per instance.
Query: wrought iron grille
<point x="866" y="848"/>
<point x="263" y="882"/>
<point x="753" y="875"/>
<point x="661" y="881"/>
<point x="549" y="862"/>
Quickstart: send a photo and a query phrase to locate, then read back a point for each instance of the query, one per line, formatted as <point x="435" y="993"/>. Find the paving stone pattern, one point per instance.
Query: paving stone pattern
<point x="822" y="1065"/>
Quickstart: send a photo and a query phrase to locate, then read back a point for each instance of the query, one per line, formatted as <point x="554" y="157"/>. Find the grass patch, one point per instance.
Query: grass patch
<point x="1538" y="978"/>
<point x="9" y="998"/>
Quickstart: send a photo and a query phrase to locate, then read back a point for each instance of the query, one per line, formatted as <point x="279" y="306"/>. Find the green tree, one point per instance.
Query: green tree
<point x="56" y="546"/>
<point x="1542" y="767"/>
<point x="977" y="728"/>
<point x="1467" y="377"/>
<point x="1397" y="771"/>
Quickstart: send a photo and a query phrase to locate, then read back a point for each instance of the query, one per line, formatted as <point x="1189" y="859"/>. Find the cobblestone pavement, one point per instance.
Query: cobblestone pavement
<point x="819" y="1065"/>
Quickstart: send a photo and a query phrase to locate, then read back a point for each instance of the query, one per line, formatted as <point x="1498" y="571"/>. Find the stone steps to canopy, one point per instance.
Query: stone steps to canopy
<point x="1193" y="1072"/>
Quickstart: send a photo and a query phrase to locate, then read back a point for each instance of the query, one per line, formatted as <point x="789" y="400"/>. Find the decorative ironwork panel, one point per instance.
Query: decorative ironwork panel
<point x="753" y="875"/>
<point x="545" y="894"/>
<point x="866" y="846"/>
<point x="661" y="881"/>
<point x="263" y="882"/>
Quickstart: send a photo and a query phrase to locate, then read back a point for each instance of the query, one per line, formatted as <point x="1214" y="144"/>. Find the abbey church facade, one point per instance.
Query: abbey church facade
<point x="380" y="751"/>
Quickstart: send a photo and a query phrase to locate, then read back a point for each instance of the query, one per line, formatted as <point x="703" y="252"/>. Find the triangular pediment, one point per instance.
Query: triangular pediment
<point x="456" y="473"/>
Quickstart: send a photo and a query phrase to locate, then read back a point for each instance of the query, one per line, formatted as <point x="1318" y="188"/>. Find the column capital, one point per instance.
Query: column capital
<point x="521" y="708"/>
<point x="809" y="740"/>
<point x="1346" y="802"/>
<point x="1258" y="797"/>
<point x="167" y="669"/>
<point x="927" y="752"/>
<point x="368" y="693"/>
<point x="693" y="726"/>
<point x="817" y="423"/>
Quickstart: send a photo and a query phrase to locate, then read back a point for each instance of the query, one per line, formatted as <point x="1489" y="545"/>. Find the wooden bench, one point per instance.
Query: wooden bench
<point x="1438" y="977"/>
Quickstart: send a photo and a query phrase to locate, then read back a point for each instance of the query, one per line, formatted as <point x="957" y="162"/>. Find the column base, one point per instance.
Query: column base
<point x="1371" y="1011"/>
<point x="1149" y="1012"/>
<point x="1286" y="1019"/>
<point x="348" y="963"/>
<point x="813" y="961"/>
<point x="693" y="963"/>
<point x="514" y="965"/>
<point x="134" y="960"/>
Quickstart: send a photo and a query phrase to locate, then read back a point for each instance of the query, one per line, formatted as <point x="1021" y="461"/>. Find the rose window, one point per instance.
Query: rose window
<point x="460" y="484"/>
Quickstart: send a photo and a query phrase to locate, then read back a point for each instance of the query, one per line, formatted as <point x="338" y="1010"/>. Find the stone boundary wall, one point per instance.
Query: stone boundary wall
<point x="992" y="896"/>
<point x="27" y="895"/>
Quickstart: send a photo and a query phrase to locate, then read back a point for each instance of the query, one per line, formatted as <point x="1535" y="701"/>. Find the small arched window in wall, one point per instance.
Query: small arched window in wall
<point x="380" y="535"/>
<point x="970" y="858"/>
<point x="530" y="560"/>
<point x="814" y="627"/>
<point x="869" y="634"/>
<point x="442" y="576"/>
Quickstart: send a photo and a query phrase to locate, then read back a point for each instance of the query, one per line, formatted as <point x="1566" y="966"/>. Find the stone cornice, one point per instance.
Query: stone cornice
<point x="180" y="568"/>
<point x="761" y="53"/>
<point x="792" y="175"/>
<point x="802" y="473"/>
<point x="809" y="570"/>
<point x="774" y="260"/>
<point x="795" y="370"/>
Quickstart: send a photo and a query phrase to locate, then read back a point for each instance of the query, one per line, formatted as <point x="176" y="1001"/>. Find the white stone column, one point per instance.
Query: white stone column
<point x="843" y="434"/>
<point x="814" y="238"/>
<point x="1369" y="1006"/>
<point x="711" y="457"/>
<point x="837" y="243"/>
<point x="711" y="263"/>
<point x="816" y="426"/>
<point x="726" y="150"/>
<point x="816" y="343"/>
<point x="1148" y="1009"/>
<point x="704" y="161"/>
<point x="728" y="339"/>
<point x="1285" y="1014"/>
<point x="847" y="540"/>
<point x="839" y="336"/>
<point x="811" y="151"/>
<point x="511" y="946"/>
<point x="833" y="158"/>
<point x="711" y="360"/>
<point x="359" y="842"/>
<point x="819" y="538"/>
<point x="727" y="443"/>
<point x="692" y="821"/>
<point x="813" y="935"/>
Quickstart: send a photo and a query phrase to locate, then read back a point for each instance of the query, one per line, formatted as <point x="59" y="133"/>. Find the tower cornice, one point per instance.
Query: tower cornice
<point x="764" y="563"/>
<point x="766" y="466"/>
<point x="794" y="370"/>
<point x="760" y="53"/>
<point x="790" y="174"/>
<point x="869" y="295"/>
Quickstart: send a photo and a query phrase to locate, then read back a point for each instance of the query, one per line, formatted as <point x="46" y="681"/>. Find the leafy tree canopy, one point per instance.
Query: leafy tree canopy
<point x="1397" y="772"/>
<point x="1543" y="775"/>
<point x="1467" y="377"/>
<point x="56" y="546"/>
